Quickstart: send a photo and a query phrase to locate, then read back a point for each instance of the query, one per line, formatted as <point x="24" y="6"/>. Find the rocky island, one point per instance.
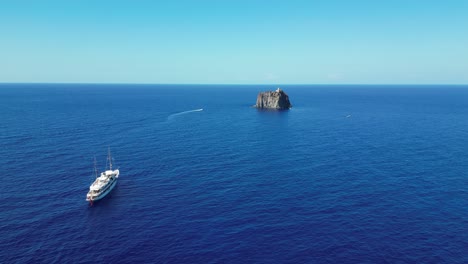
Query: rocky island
<point x="273" y="100"/>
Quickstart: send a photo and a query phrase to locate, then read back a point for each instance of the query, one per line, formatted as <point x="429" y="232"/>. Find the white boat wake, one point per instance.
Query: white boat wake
<point x="170" y="117"/>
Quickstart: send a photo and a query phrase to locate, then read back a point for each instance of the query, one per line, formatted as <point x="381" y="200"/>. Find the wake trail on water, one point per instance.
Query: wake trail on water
<point x="170" y="117"/>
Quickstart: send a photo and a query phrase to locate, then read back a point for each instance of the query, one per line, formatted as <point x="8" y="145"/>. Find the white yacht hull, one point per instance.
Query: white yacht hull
<point x="102" y="195"/>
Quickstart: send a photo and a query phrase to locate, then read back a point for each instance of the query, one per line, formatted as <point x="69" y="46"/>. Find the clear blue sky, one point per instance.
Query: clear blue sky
<point x="238" y="42"/>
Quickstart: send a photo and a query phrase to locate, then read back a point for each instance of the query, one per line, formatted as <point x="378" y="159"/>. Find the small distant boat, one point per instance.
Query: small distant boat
<point x="104" y="183"/>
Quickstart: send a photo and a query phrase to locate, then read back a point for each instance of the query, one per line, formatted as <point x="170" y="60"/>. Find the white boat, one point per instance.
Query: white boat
<point x="104" y="183"/>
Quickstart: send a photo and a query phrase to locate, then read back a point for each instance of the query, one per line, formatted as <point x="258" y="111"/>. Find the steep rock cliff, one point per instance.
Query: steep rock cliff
<point x="273" y="100"/>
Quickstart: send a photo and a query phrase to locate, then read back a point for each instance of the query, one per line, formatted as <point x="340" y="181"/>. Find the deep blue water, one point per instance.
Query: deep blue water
<point x="351" y="174"/>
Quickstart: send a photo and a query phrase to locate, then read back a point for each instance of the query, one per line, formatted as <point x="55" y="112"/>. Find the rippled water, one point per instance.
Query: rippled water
<point x="363" y="174"/>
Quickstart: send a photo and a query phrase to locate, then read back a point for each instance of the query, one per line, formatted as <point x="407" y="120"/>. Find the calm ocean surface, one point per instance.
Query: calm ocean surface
<point x="351" y="174"/>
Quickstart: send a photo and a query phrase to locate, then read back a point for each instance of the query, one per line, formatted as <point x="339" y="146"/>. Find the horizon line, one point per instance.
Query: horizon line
<point x="246" y="84"/>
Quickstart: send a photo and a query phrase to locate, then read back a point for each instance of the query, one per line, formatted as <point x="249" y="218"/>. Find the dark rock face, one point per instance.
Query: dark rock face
<point x="273" y="100"/>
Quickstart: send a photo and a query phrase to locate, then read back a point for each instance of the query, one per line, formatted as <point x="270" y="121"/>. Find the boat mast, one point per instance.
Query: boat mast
<point x="110" y="159"/>
<point x="95" y="167"/>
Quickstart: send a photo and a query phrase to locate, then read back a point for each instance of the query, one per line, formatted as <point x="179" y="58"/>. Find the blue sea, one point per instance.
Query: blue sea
<point x="350" y="174"/>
